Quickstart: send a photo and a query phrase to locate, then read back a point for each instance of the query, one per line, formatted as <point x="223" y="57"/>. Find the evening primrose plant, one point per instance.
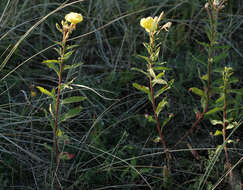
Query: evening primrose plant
<point x="212" y="7"/>
<point x="155" y="73"/>
<point x="59" y="65"/>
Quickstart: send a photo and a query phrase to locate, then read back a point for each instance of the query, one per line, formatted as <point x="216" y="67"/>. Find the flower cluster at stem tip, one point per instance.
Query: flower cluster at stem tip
<point x="150" y="24"/>
<point x="74" y="18"/>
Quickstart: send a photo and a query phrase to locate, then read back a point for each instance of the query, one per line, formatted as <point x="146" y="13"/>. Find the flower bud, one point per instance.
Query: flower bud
<point x="206" y="5"/>
<point x="166" y="26"/>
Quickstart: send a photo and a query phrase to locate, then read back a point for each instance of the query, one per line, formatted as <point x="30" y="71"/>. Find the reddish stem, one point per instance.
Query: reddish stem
<point x="210" y="62"/>
<point x="154" y="109"/>
<point x="224" y="126"/>
<point x="57" y="110"/>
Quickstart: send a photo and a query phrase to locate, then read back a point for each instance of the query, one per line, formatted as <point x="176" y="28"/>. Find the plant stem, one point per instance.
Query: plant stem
<point x="57" y="110"/>
<point x="210" y="62"/>
<point x="225" y="123"/>
<point x="154" y="108"/>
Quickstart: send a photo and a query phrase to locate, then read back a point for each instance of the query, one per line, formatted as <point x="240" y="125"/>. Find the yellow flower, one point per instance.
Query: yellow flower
<point x="149" y="24"/>
<point x="59" y="133"/>
<point x="74" y="18"/>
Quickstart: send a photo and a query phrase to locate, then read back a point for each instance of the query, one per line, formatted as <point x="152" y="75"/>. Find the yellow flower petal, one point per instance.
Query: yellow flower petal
<point x="74" y="18"/>
<point x="149" y="24"/>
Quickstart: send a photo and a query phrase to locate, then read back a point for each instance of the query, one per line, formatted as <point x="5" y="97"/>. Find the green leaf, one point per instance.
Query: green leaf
<point x="220" y="57"/>
<point x="58" y="50"/>
<point x="71" y="113"/>
<point x="220" y="99"/>
<point x="140" y="70"/>
<point x="167" y="87"/>
<point x="224" y="47"/>
<point x="145" y="58"/>
<point x="71" y="47"/>
<point x="58" y="27"/>
<point x="73" y="66"/>
<point x="198" y="92"/>
<point x="54" y="67"/>
<point x="51" y="61"/>
<point x="155" y="55"/>
<point x="67" y="55"/>
<point x="166" y="120"/>
<point x="141" y="88"/>
<point x="218" y="132"/>
<point x="214" y="110"/>
<point x="148" y="47"/>
<point x="216" y="122"/>
<point x="160" y="68"/>
<point x="206" y="45"/>
<point x="160" y="75"/>
<point x="73" y="99"/>
<point x="161" y="105"/>
<point x="218" y="148"/>
<point x="58" y="43"/>
<point x="48" y="147"/>
<point x="236" y="91"/>
<point x="151" y="72"/>
<point x="44" y="91"/>
<point x="158" y="81"/>
<point x="233" y="80"/>
<point x="199" y="60"/>
<point x="205" y="77"/>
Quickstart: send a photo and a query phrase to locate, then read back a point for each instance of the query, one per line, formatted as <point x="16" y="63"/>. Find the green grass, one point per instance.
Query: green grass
<point x="111" y="139"/>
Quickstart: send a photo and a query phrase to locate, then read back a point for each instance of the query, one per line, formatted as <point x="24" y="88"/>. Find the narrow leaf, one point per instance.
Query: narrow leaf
<point x="151" y="72"/>
<point x="160" y="68"/>
<point x="158" y="81"/>
<point x="145" y="58"/>
<point x="71" y="113"/>
<point x="166" y="121"/>
<point x="206" y="45"/>
<point x="140" y="70"/>
<point x="160" y="75"/>
<point x="167" y="87"/>
<point x="71" y="47"/>
<point x="161" y="105"/>
<point x="205" y="77"/>
<point x="73" y="99"/>
<point x="58" y="50"/>
<point x="47" y="92"/>
<point x="141" y="88"/>
<point x="67" y="55"/>
<point x="214" y="110"/>
<point x="148" y="47"/>
<point x="54" y="67"/>
<point x="51" y="61"/>
<point x="220" y="57"/>
<point x="73" y="66"/>
<point x="198" y="92"/>
<point x="220" y="99"/>
<point x="216" y="122"/>
<point x="199" y="60"/>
